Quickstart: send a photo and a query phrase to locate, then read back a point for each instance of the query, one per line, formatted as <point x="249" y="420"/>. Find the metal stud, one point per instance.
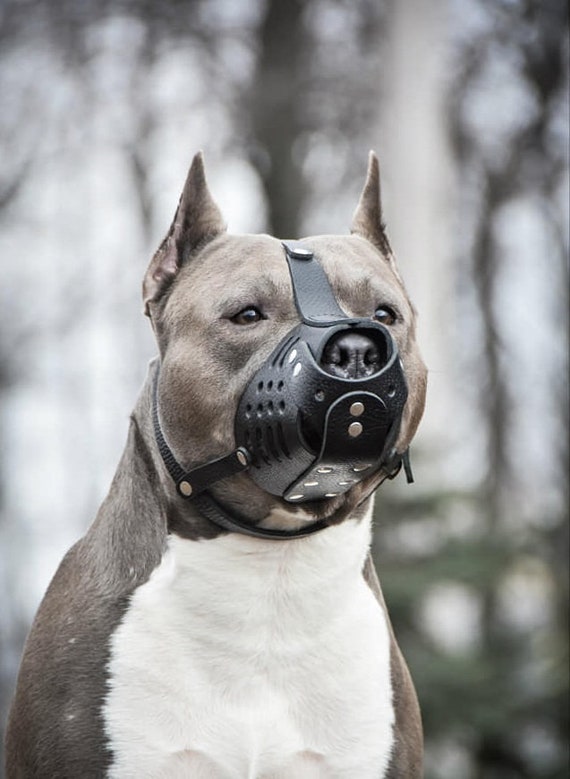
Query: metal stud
<point x="185" y="488"/>
<point x="354" y="429"/>
<point x="325" y="469"/>
<point x="296" y="497"/>
<point x="297" y="369"/>
<point x="357" y="409"/>
<point x="311" y="484"/>
<point x="300" y="253"/>
<point x="241" y="458"/>
<point x="292" y="356"/>
<point x="359" y="468"/>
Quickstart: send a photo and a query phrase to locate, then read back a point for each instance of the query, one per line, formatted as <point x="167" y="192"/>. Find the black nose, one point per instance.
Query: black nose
<point x="353" y="355"/>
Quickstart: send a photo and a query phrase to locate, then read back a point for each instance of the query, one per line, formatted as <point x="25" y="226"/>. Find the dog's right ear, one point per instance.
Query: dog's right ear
<point x="367" y="220"/>
<point x="197" y="220"/>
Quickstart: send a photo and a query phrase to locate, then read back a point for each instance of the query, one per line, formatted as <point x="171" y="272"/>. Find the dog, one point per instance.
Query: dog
<point x="222" y="617"/>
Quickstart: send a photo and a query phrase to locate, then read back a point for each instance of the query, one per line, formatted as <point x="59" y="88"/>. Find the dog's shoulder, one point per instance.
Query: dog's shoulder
<point x="68" y="642"/>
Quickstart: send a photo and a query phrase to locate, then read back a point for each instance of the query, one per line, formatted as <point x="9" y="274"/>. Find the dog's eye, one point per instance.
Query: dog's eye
<point x="247" y="316"/>
<point x="385" y="315"/>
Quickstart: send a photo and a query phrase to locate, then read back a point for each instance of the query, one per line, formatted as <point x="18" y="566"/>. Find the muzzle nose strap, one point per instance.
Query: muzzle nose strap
<point x="313" y="295"/>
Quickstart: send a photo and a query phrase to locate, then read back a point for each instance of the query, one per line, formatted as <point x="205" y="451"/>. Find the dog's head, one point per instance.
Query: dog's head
<point x="220" y="304"/>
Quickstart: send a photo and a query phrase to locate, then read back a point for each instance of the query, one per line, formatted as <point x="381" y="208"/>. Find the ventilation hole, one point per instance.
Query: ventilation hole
<point x="281" y="406"/>
<point x="250" y="445"/>
<point x="260" y="387"/>
<point x="280" y="356"/>
<point x="391" y="391"/>
<point x="270" y="409"/>
<point x="271" y="445"/>
<point x="281" y="439"/>
<point x="270" y="385"/>
<point x="280" y="386"/>
<point x="319" y="395"/>
<point x="260" y="447"/>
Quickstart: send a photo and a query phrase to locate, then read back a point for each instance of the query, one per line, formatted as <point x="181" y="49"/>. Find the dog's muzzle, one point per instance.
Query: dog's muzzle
<point x="324" y="410"/>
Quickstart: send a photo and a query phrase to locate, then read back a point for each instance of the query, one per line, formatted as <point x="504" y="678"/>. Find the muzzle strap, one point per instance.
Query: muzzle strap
<point x="312" y="291"/>
<point x="192" y="483"/>
<point x="212" y="510"/>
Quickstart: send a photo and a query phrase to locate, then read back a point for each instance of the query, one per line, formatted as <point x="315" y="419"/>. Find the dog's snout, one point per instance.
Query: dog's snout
<point x="354" y="355"/>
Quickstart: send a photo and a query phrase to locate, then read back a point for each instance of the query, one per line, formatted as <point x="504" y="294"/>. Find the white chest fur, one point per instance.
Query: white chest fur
<point x="250" y="659"/>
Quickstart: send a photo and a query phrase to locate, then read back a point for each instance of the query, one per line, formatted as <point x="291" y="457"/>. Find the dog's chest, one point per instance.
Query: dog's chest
<point x="247" y="659"/>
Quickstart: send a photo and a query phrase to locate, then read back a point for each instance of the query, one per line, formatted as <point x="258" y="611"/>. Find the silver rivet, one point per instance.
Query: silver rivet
<point x="354" y="429"/>
<point x="297" y="369"/>
<point x="324" y="469"/>
<point x="331" y="494"/>
<point x="357" y="409"/>
<point x="241" y="458"/>
<point x="300" y="253"/>
<point x="292" y="357"/>
<point x="185" y="488"/>
<point x="345" y="483"/>
<point x="359" y="468"/>
<point x="295" y="497"/>
<point x="311" y="484"/>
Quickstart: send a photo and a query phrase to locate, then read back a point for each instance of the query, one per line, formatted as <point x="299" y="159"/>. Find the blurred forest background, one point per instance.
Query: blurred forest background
<point x="104" y="102"/>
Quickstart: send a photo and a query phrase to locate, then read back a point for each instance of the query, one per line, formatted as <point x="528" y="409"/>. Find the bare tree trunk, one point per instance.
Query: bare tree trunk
<point x="418" y="187"/>
<point x="276" y="113"/>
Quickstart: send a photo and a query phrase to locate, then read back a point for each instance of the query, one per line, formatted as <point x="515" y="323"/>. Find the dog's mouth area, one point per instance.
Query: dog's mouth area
<point x="323" y="508"/>
<point x="255" y="507"/>
<point x="332" y="510"/>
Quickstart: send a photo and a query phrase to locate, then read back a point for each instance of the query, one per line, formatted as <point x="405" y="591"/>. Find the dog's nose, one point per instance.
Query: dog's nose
<point x="352" y="355"/>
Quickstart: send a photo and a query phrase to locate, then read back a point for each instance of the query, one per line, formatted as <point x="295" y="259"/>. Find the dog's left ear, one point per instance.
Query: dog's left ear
<point x="197" y="220"/>
<point x="367" y="220"/>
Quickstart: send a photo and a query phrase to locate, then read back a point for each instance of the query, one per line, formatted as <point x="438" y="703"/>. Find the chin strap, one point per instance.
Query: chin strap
<point x="189" y="484"/>
<point x="212" y="510"/>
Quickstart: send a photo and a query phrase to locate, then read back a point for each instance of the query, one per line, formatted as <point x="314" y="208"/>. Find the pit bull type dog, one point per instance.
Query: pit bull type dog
<point x="222" y="618"/>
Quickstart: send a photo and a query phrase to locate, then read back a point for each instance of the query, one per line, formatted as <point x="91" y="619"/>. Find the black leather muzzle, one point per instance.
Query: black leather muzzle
<point x="324" y="410"/>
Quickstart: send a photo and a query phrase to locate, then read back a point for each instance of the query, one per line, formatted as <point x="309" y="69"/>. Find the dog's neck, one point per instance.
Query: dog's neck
<point x="281" y="576"/>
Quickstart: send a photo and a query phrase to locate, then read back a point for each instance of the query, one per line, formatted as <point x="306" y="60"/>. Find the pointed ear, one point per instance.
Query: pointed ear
<point x="196" y="221"/>
<point x="367" y="220"/>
